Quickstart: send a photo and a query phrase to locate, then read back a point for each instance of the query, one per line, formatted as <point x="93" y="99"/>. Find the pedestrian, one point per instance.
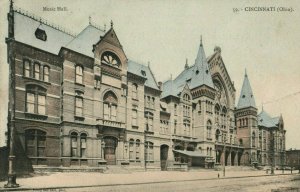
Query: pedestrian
<point x="218" y="175"/>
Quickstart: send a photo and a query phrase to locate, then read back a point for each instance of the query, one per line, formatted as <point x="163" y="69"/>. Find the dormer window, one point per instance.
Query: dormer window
<point x="41" y="34"/>
<point x="143" y="72"/>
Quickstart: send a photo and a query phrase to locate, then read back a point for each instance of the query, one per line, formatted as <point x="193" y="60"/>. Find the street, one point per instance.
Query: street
<point x="257" y="184"/>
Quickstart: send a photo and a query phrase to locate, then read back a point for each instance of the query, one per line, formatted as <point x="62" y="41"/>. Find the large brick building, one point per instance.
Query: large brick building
<point x="79" y="101"/>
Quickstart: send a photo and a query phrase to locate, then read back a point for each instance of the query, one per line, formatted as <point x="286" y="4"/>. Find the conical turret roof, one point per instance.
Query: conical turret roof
<point x="246" y="96"/>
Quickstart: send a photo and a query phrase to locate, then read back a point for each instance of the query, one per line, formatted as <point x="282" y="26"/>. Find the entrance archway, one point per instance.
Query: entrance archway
<point x="232" y="158"/>
<point x="110" y="150"/>
<point x="164" y="149"/>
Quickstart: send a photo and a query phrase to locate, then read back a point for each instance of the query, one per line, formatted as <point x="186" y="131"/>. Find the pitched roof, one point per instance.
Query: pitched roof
<point x="193" y="76"/>
<point x="84" y="41"/>
<point x="143" y="71"/>
<point x="201" y="74"/>
<point x="25" y="28"/>
<point x="246" y="96"/>
<point x="265" y="120"/>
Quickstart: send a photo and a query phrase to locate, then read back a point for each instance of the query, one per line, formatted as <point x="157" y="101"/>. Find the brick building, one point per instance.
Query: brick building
<point x="79" y="101"/>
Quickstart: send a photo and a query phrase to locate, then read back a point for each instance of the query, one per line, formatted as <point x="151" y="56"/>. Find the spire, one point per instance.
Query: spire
<point x="111" y="24"/>
<point x="201" y="74"/>
<point x="200" y="40"/>
<point x="246" y="97"/>
<point x="10" y="17"/>
<point x="90" y="20"/>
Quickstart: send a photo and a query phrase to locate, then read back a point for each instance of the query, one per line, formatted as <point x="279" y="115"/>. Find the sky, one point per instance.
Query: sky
<point x="166" y="33"/>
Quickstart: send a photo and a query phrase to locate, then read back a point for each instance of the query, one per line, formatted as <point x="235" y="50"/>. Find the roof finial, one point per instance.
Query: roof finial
<point x="200" y="40"/>
<point x="90" y="20"/>
<point x="111" y="24"/>
<point x="186" y="64"/>
<point x="246" y="72"/>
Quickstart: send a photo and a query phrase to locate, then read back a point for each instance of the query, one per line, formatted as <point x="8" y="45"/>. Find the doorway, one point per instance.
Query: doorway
<point x="164" y="149"/>
<point x="110" y="150"/>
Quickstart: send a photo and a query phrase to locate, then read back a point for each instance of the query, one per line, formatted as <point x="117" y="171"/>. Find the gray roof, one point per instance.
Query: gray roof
<point x="193" y="76"/>
<point x="25" y="28"/>
<point x="246" y="96"/>
<point x="136" y="68"/>
<point x="84" y="41"/>
<point x="201" y="74"/>
<point x="265" y="120"/>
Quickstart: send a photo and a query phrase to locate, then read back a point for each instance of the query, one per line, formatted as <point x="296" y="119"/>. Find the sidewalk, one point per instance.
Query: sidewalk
<point x="81" y="179"/>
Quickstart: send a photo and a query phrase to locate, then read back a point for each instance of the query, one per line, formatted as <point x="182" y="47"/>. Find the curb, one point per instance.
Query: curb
<point x="142" y="183"/>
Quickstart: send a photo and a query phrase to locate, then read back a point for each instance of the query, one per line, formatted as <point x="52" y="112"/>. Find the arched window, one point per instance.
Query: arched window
<point x="110" y="106"/>
<point x="37" y="71"/>
<point x="186" y="97"/>
<point x="46" y="73"/>
<point x="79" y="74"/>
<point x="217" y="113"/>
<point x="241" y="142"/>
<point x="218" y="135"/>
<point x="208" y="127"/>
<point x="27" y="68"/>
<point x="35" y="141"/>
<point x="35" y="99"/>
<point x="83" y="137"/>
<point x="149" y="152"/>
<point x="137" y="149"/>
<point x="253" y="139"/>
<point x="134" y="91"/>
<point x="74" y="136"/>
<point x="131" y="149"/>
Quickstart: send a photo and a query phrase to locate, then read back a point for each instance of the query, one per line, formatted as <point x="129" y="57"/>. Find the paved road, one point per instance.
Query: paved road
<point x="252" y="184"/>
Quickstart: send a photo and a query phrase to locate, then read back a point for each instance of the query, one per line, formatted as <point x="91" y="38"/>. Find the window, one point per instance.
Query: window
<point x="186" y="97"/>
<point x="253" y="139"/>
<point x="149" y="121"/>
<point x="137" y="149"/>
<point x="74" y="136"/>
<point x="218" y="138"/>
<point x="175" y="126"/>
<point x="164" y="126"/>
<point x="153" y="102"/>
<point x="35" y="143"/>
<point x="35" y="99"/>
<point x="134" y="118"/>
<point x="110" y="106"/>
<point x="208" y="126"/>
<point x="186" y="127"/>
<point x="131" y="149"/>
<point x="134" y="91"/>
<point x="46" y="73"/>
<point x="175" y="109"/>
<point x="37" y="71"/>
<point x="83" y="144"/>
<point x="241" y="142"/>
<point x="149" y="151"/>
<point x="27" y="68"/>
<point x="78" y="106"/>
<point x="79" y="74"/>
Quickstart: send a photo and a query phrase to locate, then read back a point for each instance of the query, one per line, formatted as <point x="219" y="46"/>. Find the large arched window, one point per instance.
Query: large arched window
<point x="35" y="141"/>
<point x="208" y="129"/>
<point x="110" y="104"/>
<point x="79" y="74"/>
<point x="35" y="99"/>
<point x="110" y="58"/>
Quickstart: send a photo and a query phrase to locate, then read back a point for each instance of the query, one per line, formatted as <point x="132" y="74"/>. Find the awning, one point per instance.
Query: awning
<point x="191" y="153"/>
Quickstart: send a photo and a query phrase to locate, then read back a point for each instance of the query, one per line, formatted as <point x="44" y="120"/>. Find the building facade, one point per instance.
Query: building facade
<point x="79" y="101"/>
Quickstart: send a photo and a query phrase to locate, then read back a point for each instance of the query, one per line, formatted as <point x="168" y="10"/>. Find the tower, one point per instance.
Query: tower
<point x="246" y="120"/>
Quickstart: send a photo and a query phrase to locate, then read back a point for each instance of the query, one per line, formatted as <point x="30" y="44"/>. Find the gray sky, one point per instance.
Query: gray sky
<point x="167" y="32"/>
